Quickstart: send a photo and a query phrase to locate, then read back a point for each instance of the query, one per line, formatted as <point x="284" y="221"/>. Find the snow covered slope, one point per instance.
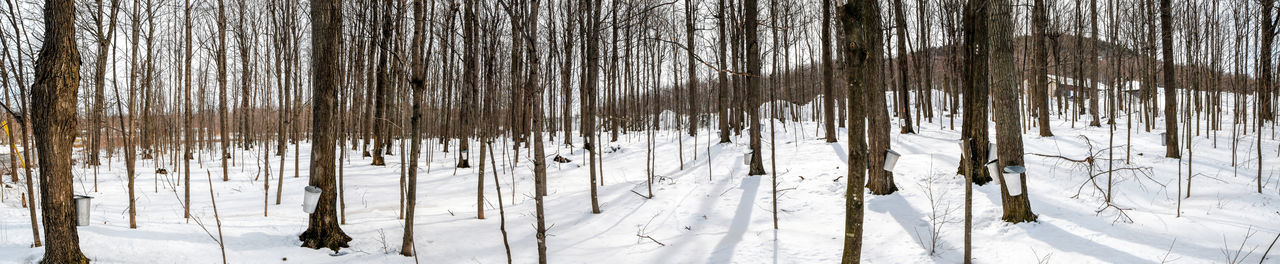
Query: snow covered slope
<point x="709" y="212"/>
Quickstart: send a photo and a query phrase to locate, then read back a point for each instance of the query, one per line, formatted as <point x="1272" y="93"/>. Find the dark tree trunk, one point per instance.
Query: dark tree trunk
<point x="1094" y="77"/>
<point x="904" y="98"/>
<point x="975" y="87"/>
<point x="860" y="20"/>
<point x="755" y="79"/>
<point x="1265" y="81"/>
<point x="326" y="30"/>
<point x="828" y="78"/>
<point x="1170" y="94"/>
<point x="722" y="105"/>
<point x="222" y="88"/>
<point x="382" y="97"/>
<point x="1039" y="63"/>
<point x="1004" y="82"/>
<point x="57" y="79"/>
<point x="690" y="10"/>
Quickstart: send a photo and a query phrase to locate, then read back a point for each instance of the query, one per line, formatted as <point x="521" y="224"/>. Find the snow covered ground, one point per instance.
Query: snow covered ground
<point x="709" y="211"/>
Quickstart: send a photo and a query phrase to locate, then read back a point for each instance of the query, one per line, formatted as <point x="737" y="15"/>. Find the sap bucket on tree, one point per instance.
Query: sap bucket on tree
<point x="82" y="209"/>
<point x="992" y="154"/>
<point x="1163" y="139"/>
<point x="993" y="168"/>
<point x="746" y="158"/>
<point x="1013" y="179"/>
<point x="310" y="198"/>
<point x="890" y="159"/>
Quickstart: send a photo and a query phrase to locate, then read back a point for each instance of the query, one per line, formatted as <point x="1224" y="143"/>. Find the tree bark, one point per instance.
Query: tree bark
<point x="1171" y="94"/>
<point x="690" y="10"/>
<point x="722" y="105"/>
<point x="222" y="88"/>
<point x="750" y="27"/>
<point x="1265" y="78"/>
<point x="1004" y="82"/>
<point x="861" y="34"/>
<point x="419" y="86"/>
<point x="904" y="98"/>
<point x="828" y="78"/>
<point x="57" y="79"/>
<point x="323" y="230"/>
<point x="1039" y="63"/>
<point x="381" y="133"/>
<point x="590" y="86"/>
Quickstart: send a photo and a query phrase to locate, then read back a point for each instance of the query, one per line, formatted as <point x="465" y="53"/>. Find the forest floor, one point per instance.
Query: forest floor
<point x="706" y="210"/>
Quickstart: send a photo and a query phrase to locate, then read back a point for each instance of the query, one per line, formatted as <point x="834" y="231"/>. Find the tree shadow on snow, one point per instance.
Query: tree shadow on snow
<point x="723" y="252"/>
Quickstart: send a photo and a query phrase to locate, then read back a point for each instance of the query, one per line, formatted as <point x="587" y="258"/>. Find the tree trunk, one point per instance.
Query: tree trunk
<point x="589" y="86"/>
<point x="1265" y="78"/>
<point x="1004" y="80"/>
<point x="904" y="98"/>
<point x="381" y="133"/>
<point x="690" y="10"/>
<point x="103" y="40"/>
<point x="187" y="138"/>
<point x="750" y="27"/>
<point x="860" y="20"/>
<point x="419" y="86"/>
<point x="828" y="78"/>
<point x="222" y="88"/>
<point x="1040" y="63"/>
<point x="1094" y="77"/>
<point x="722" y="105"/>
<point x="326" y="30"/>
<point x="879" y="181"/>
<point x="1170" y="94"/>
<point x="57" y="79"/>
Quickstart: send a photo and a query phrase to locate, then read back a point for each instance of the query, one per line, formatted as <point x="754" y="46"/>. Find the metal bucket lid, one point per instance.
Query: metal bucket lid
<point x="1015" y="169"/>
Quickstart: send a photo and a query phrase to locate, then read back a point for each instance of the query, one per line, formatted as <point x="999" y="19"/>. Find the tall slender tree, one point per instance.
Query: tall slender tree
<point x="828" y="76"/>
<point x="221" y="50"/>
<point x="1266" y="78"/>
<point x="690" y="10"/>
<point x="418" y="83"/>
<point x="103" y="38"/>
<point x="904" y="98"/>
<point x="755" y="80"/>
<point x="861" y="27"/>
<point x="722" y="106"/>
<point x="1039" y="65"/>
<point x="1170" y="93"/>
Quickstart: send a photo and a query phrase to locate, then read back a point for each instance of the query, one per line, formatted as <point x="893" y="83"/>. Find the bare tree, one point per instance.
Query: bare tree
<point x="904" y="98"/>
<point x="1039" y="64"/>
<point x="1170" y="94"/>
<point x="103" y="38"/>
<point x="419" y="84"/>
<point x="1265" y="55"/>
<point x="326" y="41"/>
<point x="862" y="50"/>
<point x="1004" y="83"/>
<point x="828" y="78"/>
<point x="57" y="77"/>
<point x="754" y="82"/>
<point x="221" y="49"/>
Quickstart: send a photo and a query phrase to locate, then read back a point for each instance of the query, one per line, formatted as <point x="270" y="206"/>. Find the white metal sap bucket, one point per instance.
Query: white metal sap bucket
<point x="890" y="159"/>
<point x="1013" y="179"/>
<point x="82" y="209"/>
<point x="310" y="198"/>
